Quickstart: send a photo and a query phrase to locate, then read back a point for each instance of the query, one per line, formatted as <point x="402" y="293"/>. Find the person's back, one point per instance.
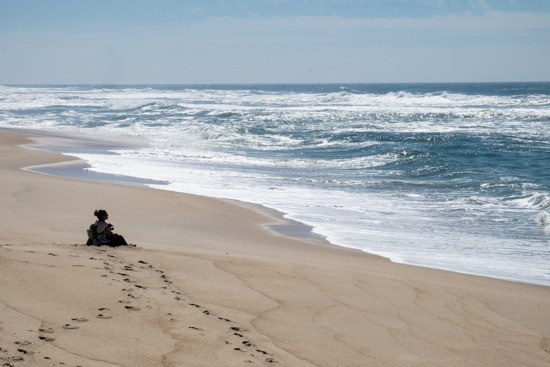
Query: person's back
<point x="101" y="238"/>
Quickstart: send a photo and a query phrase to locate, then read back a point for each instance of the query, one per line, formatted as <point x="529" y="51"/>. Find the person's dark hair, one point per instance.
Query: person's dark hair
<point x="100" y="213"/>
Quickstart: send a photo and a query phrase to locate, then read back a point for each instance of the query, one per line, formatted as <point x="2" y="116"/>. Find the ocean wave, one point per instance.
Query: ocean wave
<point x="543" y="220"/>
<point x="535" y="200"/>
<point x="539" y="200"/>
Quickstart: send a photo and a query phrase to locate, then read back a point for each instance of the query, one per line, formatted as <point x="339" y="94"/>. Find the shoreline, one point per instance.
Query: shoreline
<point x="210" y="286"/>
<point x="75" y="168"/>
<point x="54" y="141"/>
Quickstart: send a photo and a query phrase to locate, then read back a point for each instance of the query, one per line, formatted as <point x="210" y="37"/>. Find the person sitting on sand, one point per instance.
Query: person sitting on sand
<point x="105" y="234"/>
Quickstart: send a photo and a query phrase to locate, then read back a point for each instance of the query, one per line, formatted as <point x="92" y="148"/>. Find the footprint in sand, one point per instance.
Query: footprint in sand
<point x="25" y="342"/>
<point x="46" y="338"/>
<point x="80" y="319"/>
<point x="105" y="317"/>
<point x="132" y="308"/>
<point x="69" y="327"/>
<point x="48" y="330"/>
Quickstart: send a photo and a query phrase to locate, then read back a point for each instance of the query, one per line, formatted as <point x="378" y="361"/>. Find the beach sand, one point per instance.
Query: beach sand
<point x="211" y="285"/>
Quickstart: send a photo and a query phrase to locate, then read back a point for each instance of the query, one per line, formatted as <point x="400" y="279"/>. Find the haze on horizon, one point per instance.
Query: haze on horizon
<point x="273" y="41"/>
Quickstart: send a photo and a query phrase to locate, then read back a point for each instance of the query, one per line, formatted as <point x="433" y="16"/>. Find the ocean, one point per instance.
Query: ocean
<point x="453" y="176"/>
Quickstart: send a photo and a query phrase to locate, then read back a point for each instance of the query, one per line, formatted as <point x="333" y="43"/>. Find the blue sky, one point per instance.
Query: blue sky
<point x="273" y="41"/>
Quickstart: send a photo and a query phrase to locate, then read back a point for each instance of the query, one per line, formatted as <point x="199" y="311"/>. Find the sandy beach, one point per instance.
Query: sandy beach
<point x="210" y="284"/>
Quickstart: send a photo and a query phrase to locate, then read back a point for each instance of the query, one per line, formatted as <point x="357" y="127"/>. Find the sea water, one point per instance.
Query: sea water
<point x="449" y="176"/>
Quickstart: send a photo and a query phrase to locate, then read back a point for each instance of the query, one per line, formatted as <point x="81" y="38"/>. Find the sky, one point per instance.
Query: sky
<point x="273" y="41"/>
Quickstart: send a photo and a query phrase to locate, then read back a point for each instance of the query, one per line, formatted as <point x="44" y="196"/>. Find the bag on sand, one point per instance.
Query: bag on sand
<point x="92" y="234"/>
